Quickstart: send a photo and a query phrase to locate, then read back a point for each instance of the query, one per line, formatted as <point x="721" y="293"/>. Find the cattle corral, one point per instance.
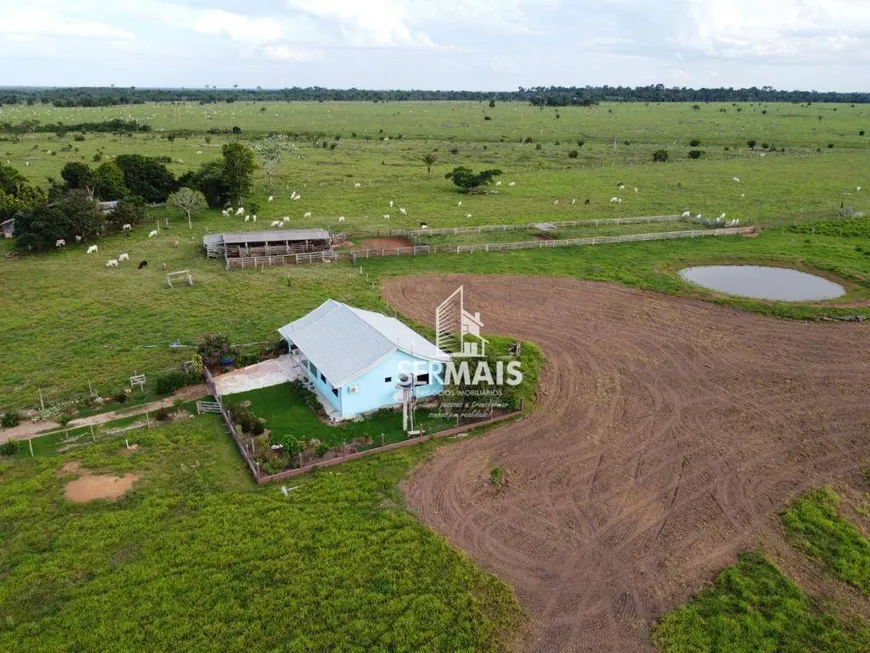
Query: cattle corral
<point x="668" y="435"/>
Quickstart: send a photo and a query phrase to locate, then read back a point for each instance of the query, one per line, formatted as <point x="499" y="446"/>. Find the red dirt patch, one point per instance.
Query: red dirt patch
<point x="668" y="435"/>
<point x="90" y="488"/>
<point x="385" y="243"/>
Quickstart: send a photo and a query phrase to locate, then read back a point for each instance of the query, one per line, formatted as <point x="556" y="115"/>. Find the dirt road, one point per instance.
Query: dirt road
<point x="668" y="435"/>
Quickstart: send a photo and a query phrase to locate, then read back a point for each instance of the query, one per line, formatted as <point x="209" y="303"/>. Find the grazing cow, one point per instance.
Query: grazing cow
<point x="498" y="183"/>
<point x="225" y="213"/>
<point x="357" y="185"/>
<point x="126" y="226"/>
<point x="297" y="198"/>
<point x="271" y="197"/>
<point x="587" y="201"/>
<point x="152" y="233"/>
<point x="614" y="200"/>
<point x="78" y="239"/>
<point x="92" y="249"/>
<point x="60" y="243"/>
<point x="175" y="244"/>
<point x="240" y="210"/>
<point x="685" y="214"/>
<point x="512" y="184"/>
<point x="341" y="218"/>
<point x="277" y="223"/>
<point x="123" y="257"/>
<point x="555" y="202"/>
<point x="423" y="225"/>
<point x="736" y="180"/>
<point x="307" y="214"/>
<point x="254" y="217"/>
<point x="467" y="215"/>
<point x="459" y="204"/>
<point x="112" y="263"/>
<point x="247" y="217"/>
<point x="573" y="201"/>
<point x="391" y="203"/>
<point x="402" y="211"/>
<point x="386" y="216"/>
<point x="143" y="264"/>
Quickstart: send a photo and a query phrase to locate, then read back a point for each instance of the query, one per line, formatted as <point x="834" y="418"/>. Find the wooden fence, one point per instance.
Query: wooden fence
<point x="231" y="426"/>
<point x="425" y="250"/>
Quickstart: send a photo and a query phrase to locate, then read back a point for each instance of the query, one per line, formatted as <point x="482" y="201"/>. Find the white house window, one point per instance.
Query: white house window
<point x="421" y="379"/>
<point x="313" y="369"/>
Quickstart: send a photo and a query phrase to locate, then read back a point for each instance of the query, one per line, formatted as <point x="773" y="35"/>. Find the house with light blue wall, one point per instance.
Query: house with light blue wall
<point x="354" y="358"/>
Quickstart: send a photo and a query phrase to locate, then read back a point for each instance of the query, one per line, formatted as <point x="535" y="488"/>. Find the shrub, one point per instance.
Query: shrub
<point x="169" y="382"/>
<point x="573" y="154"/>
<point x="162" y="414"/>
<point x="454" y="150"/>
<point x="752" y="143"/>
<point x="527" y="139"/>
<point x="694" y="142"/>
<point x="237" y="130"/>
<point x="321" y="449"/>
<point x="765" y="146"/>
<point x="660" y="156"/>
<point x="830" y="145"/>
<point x="121" y="397"/>
<point x="487" y="117"/>
<point x="695" y="154"/>
<point x="9" y="448"/>
<point x="213" y="347"/>
<point x="581" y="143"/>
<point x="496" y="476"/>
<point x="10" y="418"/>
<point x="861" y="133"/>
<point x="538" y="146"/>
<point x="79" y="137"/>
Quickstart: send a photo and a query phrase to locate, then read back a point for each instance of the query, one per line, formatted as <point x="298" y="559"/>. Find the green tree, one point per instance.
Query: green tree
<point x="109" y="181"/>
<point x="430" y="160"/>
<point x="238" y="170"/>
<point x="78" y="176"/>
<point x="74" y="214"/>
<point x="146" y="177"/>
<point x="128" y="211"/>
<point x="468" y="180"/>
<point x="270" y="152"/>
<point x="660" y="156"/>
<point x="188" y="200"/>
<point x="209" y="180"/>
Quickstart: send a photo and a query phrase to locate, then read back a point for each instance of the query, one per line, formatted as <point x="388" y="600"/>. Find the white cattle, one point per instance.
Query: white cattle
<point x="92" y="249"/>
<point x="573" y="201"/>
<point x="78" y="239"/>
<point x="60" y="243"/>
<point x="247" y="217"/>
<point x="341" y="218"/>
<point x="635" y="189"/>
<point x="277" y="223"/>
<point x="742" y="195"/>
<point x="271" y="197"/>
<point x="685" y="214"/>
<point x="27" y="164"/>
<point x="614" y="200"/>
<point x="459" y="204"/>
<point x="386" y="216"/>
<point x="357" y="185"/>
<point x="391" y="203"/>
<point x="225" y="213"/>
<point x="152" y="233"/>
<point x="254" y="217"/>
<point x="297" y="198"/>
<point x="736" y="180"/>
<point x="498" y="183"/>
<point x="240" y="210"/>
<point x="555" y="202"/>
<point x="112" y="263"/>
<point x="123" y="257"/>
<point x="126" y="226"/>
<point x="721" y="217"/>
<point x="858" y="188"/>
<point x="199" y="151"/>
<point x="307" y="214"/>
<point x="467" y="215"/>
<point x="402" y="211"/>
<point x="512" y="184"/>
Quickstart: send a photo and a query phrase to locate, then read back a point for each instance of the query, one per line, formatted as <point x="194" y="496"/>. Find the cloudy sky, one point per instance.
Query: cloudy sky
<point x="436" y="44"/>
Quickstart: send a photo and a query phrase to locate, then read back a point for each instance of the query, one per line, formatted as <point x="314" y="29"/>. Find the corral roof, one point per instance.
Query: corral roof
<point x="276" y="235"/>
<point x="345" y="342"/>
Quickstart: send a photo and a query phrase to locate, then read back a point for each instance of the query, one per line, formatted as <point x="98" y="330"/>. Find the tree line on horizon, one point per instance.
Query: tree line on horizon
<point x="553" y="96"/>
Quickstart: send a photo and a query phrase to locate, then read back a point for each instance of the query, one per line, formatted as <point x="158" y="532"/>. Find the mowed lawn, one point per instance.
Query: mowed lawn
<point x="195" y="557"/>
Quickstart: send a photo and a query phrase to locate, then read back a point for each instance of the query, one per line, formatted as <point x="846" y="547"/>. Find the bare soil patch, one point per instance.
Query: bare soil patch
<point x="69" y="467"/>
<point x="385" y="243"/>
<point x="89" y="487"/>
<point x="669" y="434"/>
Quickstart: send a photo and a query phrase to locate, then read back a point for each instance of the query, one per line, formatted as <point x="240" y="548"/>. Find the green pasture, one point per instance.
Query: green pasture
<point x="212" y="562"/>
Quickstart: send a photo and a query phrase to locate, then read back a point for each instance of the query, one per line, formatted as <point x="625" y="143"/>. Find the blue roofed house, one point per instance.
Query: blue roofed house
<point x="354" y="358"/>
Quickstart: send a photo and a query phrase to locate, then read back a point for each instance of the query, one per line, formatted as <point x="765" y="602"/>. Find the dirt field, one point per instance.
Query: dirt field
<point x="385" y="243"/>
<point x="669" y="433"/>
<point x="89" y="487"/>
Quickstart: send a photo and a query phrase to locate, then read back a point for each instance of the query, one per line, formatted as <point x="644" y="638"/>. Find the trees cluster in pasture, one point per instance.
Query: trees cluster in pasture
<point x="227" y="180"/>
<point x="115" y="125"/>
<point x="129" y="175"/>
<point x="467" y="180"/>
<point x="75" y="214"/>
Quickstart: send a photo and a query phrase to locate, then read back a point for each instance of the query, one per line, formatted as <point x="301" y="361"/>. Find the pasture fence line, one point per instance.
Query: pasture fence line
<point x="592" y="222"/>
<point x="228" y="421"/>
<point x="426" y="250"/>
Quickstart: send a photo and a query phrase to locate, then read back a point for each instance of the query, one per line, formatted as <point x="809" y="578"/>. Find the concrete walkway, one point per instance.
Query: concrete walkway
<point x="270" y="372"/>
<point x="28" y="430"/>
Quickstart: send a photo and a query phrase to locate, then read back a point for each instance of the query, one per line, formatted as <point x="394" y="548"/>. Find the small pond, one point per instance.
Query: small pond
<point x="762" y="282"/>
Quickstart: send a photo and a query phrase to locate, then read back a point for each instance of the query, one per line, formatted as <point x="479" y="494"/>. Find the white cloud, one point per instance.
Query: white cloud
<point x="50" y="21"/>
<point x="291" y="53"/>
<point x="238" y="27"/>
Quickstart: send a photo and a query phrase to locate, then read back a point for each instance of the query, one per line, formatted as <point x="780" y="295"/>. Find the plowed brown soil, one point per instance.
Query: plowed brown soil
<point x="669" y="433"/>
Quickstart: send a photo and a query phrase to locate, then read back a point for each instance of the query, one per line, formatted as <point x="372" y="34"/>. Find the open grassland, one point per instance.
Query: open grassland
<point x="211" y="562"/>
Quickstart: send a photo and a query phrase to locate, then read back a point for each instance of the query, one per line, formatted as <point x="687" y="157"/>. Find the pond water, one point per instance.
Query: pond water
<point x="762" y="282"/>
